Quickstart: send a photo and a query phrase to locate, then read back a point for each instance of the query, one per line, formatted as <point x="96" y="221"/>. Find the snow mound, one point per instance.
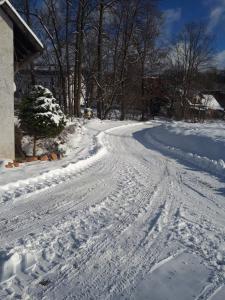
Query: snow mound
<point x="12" y="263"/>
<point x="65" y="142"/>
<point x="200" y="144"/>
<point x="53" y="177"/>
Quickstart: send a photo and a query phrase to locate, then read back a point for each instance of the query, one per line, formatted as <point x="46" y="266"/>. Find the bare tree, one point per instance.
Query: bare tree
<point x="96" y="43"/>
<point x="99" y="60"/>
<point x="191" y="54"/>
<point x="148" y="54"/>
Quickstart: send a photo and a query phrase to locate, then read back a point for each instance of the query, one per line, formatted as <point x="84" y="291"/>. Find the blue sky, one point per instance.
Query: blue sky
<point x="212" y="12"/>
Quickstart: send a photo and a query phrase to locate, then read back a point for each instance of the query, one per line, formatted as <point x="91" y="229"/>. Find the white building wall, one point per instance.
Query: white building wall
<point x="7" y="148"/>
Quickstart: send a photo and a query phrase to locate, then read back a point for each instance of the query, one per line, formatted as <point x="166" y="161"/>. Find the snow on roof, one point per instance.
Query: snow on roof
<point x="17" y="19"/>
<point x="211" y="103"/>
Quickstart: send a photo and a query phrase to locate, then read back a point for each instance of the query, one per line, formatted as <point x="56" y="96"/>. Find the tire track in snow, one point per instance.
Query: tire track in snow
<point x="200" y="235"/>
<point x="113" y="263"/>
<point x="113" y="169"/>
<point x="95" y="284"/>
<point x="122" y="222"/>
<point x="125" y="234"/>
<point x="104" y="241"/>
<point x="52" y="178"/>
<point x="146" y="253"/>
<point x="67" y="224"/>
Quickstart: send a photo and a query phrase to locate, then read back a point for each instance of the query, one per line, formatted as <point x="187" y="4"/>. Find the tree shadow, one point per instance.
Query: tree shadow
<point x="140" y="136"/>
<point x="221" y="191"/>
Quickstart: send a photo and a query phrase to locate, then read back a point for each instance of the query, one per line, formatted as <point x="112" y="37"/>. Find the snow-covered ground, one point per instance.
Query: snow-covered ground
<point x="136" y="211"/>
<point x="199" y="144"/>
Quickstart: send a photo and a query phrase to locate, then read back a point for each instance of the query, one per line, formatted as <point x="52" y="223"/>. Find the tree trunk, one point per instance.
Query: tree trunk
<point x="76" y="62"/>
<point x="99" y="61"/>
<point x="143" y="92"/>
<point x="79" y="57"/>
<point x="34" y="145"/>
<point x="127" y="34"/>
<point x="67" y="59"/>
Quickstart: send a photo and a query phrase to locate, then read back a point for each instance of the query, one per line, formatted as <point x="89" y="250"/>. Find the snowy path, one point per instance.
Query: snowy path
<point x="128" y="217"/>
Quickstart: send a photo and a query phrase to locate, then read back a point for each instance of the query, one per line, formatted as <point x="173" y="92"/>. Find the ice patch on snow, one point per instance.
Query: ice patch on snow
<point x="183" y="278"/>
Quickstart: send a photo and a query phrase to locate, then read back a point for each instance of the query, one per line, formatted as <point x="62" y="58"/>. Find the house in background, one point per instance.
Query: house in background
<point x="220" y="97"/>
<point x="206" y="106"/>
<point x="49" y="77"/>
<point x="18" y="47"/>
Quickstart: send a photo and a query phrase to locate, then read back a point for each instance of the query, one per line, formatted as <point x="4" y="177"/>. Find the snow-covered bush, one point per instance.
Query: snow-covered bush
<point x="40" y="115"/>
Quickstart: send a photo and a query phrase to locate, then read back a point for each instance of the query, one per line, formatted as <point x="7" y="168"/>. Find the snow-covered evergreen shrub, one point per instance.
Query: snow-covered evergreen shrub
<point x="40" y="115"/>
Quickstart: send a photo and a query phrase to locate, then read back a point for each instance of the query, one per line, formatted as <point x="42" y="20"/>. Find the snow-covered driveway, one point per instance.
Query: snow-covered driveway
<point x="130" y="222"/>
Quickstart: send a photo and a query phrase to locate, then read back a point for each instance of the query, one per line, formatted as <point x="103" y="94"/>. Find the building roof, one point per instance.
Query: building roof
<point x="211" y="103"/>
<point x="206" y="101"/>
<point x="220" y="97"/>
<point x="26" y="43"/>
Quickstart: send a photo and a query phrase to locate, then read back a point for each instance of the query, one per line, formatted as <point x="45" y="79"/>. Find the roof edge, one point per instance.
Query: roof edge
<point x="17" y="19"/>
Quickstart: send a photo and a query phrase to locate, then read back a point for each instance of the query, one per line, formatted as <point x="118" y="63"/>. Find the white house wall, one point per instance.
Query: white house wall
<point x="7" y="148"/>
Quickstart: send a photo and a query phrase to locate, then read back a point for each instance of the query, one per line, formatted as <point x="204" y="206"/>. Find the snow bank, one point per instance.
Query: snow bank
<point x="53" y="177"/>
<point x="65" y="142"/>
<point x="13" y="263"/>
<point x="200" y="144"/>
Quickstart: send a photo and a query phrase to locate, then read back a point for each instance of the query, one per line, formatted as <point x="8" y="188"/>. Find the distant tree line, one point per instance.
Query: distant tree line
<point x="112" y="48"/>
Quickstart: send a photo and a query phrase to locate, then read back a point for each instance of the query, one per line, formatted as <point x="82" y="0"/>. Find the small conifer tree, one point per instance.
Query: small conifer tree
<point x="40" y="115"/>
